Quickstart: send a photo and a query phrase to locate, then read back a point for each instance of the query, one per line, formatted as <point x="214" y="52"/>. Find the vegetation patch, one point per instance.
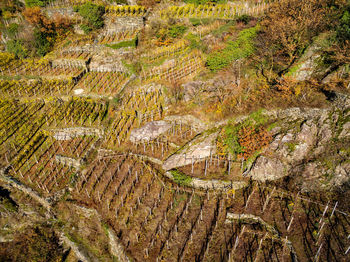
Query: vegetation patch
<point x="39" y="243"/>
<point x="242" y="140"/>
<point x="130" y="43"/>
<point x="93" y="14"/>
<point x="240" y="48"/>
<point x="181" y="178"/>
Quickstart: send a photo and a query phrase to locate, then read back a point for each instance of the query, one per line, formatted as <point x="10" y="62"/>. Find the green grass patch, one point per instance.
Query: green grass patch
<point x="130" y="43"/>
<point x="181" y="178"/>
<point x="200" y="21"/>
<point x="224" y="28"/>
<point x="195" y="42"/>
<point x="242" y="47"/>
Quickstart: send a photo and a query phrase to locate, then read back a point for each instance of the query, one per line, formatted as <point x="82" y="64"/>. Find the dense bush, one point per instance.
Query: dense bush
<point x="202" y="21"/>
<point x="343" y="29"/>
<point x="11" y="7"/>
<point x="244" y="139"/>
<point x="86" y="28"/>
<point x="176" y="31"/>
<point x="92" y="13"/>
<point x="166" y="34"/>
<point x="17" y="48"/>
<point x="244" y="19"/>
<point x="120" y="2"/>
<point x="287" y="29"/>
<point x="181" y="178"/>
<point x="42" y="43"/>
<point x="46" y="31"/>
<point x="240" y="48"/>
<point x="195" y="42"/>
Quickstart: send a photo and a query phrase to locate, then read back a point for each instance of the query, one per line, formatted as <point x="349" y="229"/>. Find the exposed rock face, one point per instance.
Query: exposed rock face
<point x="150" y="131"/>
<point x="199" y="148"/>
<point x="117" y="247"/>
<point x="346" y="130"/>
<point x="311" y="144"/>
<point x="154" y="129"/>
<point x="310" y="64"/>
<point x="267" y="169"/>
<point x="341" y="175"/>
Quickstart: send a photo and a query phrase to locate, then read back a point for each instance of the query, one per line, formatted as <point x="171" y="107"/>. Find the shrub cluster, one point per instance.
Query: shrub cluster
<point x="244" y="139"/>
<point x="93" y="14"/>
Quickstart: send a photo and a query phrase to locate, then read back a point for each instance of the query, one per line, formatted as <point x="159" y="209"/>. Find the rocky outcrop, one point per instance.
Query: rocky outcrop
<point x="117" y="247"/>
<point x="311" y="144"/>
<point x="149" y="131"/>
<point x="79" y="253"/>
<point x="311" y="65"/>
<point x="267" y="169"/>
<point x="346" y="130"/>
<point x="199" y="148"/>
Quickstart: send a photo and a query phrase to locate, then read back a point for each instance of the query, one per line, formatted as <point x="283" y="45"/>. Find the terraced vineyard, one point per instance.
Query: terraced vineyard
<point x="116" y="121"/>
<point x="103" y="83"/>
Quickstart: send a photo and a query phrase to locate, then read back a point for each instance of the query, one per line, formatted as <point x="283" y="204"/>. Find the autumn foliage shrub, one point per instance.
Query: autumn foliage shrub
<point x="252" y="139"/>
<point x="47" y="31"/>
<point x="244" y="139"/>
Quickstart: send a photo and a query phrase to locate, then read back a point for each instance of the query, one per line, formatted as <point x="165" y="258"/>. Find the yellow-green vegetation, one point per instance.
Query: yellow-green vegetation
<point x="99" y="106"/>
<point x="181" y="178"/>
<point x="242" y="47"/>
<point x="130" y="43"/>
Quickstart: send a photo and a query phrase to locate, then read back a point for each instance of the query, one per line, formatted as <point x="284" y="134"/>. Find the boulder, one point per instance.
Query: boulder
<point x="346" y="130"/>
<point x="199" y="148"/>
<point x="267" y="169"/>
<point x="149" y="131"/>
<point x="341" y="175"/>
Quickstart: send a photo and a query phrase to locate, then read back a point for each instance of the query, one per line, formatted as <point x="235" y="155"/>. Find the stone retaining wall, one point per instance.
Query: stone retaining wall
<point x="72" y="132"/>
<point x="211" y="184"/>
<point x="68" y="161"/>
<point x="123" y="23"/>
